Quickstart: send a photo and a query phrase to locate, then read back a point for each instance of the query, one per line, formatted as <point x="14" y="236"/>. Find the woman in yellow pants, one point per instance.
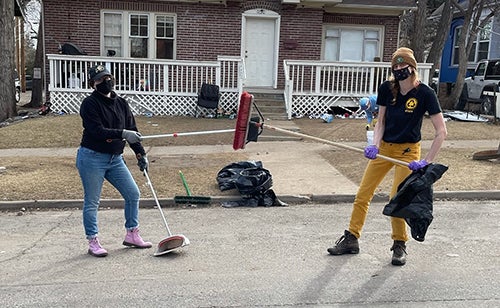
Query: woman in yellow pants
<point x="403" y="100"/>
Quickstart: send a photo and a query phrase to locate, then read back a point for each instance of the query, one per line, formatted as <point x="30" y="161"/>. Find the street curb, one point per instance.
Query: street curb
<point x="22" y="205"/>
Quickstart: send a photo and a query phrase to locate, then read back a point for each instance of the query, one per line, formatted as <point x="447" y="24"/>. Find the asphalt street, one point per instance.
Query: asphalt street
<point x="251" y="257"/>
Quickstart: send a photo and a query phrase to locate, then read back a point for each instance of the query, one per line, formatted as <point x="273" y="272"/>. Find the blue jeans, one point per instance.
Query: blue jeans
<point x="94" y="167"/>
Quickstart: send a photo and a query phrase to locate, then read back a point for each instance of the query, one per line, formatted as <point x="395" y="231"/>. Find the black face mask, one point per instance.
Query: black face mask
<point x="401" y="74"/>
<point x="105" y="87"/>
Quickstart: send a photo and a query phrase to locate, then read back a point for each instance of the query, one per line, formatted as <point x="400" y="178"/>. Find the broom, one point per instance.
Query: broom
<point x="190" y="199"/>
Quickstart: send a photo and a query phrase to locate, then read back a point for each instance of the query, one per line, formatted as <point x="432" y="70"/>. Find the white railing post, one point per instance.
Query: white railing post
<point x="166" y="88"/>
<point x="317" y="77"/>
<point x="218" y="74"/>
<point x="287" y="92"/>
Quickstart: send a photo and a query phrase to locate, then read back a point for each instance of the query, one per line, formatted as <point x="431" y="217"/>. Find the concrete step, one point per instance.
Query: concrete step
<point x="270" y="103"/>
<point x="259" y="93"/>
<point x="271" y="109"/>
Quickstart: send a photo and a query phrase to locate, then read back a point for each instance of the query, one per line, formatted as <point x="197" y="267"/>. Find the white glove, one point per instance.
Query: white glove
<point x="131" y="136"/>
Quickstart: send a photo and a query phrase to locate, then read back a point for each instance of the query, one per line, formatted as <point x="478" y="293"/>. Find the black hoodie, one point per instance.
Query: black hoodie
<point x="104" y="119"/>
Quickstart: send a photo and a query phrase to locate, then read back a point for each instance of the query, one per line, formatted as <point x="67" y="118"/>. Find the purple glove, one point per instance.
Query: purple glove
<point x="371" y="151"/>
<point x="417" y="164"/>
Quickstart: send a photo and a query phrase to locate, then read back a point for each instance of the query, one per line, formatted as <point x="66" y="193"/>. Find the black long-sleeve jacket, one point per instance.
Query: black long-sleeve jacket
<point x="104" y="120"/>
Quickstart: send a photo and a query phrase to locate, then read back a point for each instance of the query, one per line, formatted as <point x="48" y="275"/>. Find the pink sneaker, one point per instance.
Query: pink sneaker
<point x="95" y="248"/>
<point x="133" y="239"/>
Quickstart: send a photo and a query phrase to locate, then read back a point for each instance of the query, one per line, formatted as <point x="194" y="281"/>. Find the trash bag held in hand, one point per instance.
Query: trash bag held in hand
<point x="413" y="201"/>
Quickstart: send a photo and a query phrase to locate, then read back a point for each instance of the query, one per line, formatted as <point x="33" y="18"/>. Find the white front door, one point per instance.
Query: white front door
<point x="260" y="50"/>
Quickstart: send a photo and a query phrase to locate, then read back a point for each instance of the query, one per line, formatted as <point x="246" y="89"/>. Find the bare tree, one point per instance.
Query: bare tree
<point x="424" y="34"/>
<point x="7" y="61"/>
<point x="474" y="21"/>
<point x="438" y="41"/>
<point x="417" y="42"/>
<point x="37" y="83"/>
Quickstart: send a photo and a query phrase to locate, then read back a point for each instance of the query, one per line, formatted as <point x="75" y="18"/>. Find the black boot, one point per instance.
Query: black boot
<point x="347" y="243"/>
<point x="398" y="253"/>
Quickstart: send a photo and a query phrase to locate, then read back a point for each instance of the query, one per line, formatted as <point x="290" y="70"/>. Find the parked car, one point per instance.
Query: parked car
<point x="435" y="80"/>
<point x="17" y="84"/>
<point x="29" y="82"/>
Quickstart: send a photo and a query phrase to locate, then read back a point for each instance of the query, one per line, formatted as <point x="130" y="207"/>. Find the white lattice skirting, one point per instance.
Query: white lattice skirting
<point x="316" y="104"/>
<point x="147" y="104"/>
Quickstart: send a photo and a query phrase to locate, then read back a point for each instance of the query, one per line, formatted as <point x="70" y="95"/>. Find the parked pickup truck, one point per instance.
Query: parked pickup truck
<point x="485" y="78"/>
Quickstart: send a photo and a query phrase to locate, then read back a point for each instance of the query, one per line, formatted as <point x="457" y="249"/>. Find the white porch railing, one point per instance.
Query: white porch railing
<point x="171" y="87"/>
<point x="151" y="86"/>
<point x="312" y="87"/>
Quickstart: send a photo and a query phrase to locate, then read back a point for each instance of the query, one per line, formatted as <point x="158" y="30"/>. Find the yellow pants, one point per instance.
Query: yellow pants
<point x="375" y="172"/>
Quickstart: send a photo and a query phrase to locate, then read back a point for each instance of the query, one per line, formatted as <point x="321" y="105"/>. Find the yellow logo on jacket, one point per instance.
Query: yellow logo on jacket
<point x="411" y="104"/>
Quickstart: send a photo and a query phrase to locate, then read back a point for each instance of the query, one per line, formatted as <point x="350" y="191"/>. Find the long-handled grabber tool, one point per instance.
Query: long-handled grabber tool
<point x="172" y="242"/>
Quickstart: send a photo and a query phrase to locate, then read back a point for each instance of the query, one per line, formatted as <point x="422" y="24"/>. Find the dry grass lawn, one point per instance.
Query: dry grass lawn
<point x="42" y="178"/>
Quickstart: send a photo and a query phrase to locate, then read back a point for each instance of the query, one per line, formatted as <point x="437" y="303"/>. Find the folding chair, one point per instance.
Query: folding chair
<point x="208" y="98"/>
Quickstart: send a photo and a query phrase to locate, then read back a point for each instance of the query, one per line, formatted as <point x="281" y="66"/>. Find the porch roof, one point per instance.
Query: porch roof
<point x="404" y="4"/>
<point x="397" y="5"/>
<point x="386" y="7"/>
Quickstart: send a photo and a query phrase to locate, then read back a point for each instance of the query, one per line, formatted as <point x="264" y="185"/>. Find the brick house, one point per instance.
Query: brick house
<point x="264" y="34"/>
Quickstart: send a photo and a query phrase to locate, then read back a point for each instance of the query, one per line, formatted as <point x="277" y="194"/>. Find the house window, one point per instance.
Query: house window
<point x="112" y="41"/>
<point x="351" y="43"/>
<point x="138" y="35"/>
<point x="480" y="47"/>
<point x="483" y="43"/>
<point x="164" y="37"/>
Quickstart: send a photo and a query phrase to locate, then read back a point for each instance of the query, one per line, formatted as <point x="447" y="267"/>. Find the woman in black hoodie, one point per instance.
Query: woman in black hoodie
<point x="107" y="124"/>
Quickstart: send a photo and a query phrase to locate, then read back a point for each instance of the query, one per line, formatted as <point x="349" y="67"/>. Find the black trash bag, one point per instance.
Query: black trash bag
<point x="253" y="183"/>
<point x="414" y="199"/>
<point x="71" y="49"/>
<point x="228" y="175"/>
<point x="266" y="199"/>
